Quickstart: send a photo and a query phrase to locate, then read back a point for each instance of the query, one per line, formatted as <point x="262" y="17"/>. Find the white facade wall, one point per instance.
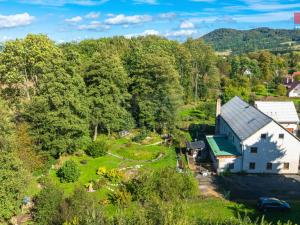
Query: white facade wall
<point x="226" y="130"/>
<point x="223" y="164"/>
<point x="294" y="93"/>
<point x="272" y="150"/>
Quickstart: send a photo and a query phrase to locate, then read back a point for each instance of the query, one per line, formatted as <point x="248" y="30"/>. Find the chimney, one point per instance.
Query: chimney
<point x="218" y="112"/>
<point x="218" y="107"/>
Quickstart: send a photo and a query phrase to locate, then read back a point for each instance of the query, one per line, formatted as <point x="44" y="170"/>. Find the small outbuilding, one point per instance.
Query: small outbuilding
<point x="196" y="149"/>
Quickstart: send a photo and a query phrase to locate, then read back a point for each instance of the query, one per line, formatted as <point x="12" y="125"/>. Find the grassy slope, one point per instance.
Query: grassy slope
<point x="122" y="147"/>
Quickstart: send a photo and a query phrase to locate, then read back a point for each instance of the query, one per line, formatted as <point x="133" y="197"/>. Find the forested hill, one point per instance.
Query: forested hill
<point x="242" y="41"/>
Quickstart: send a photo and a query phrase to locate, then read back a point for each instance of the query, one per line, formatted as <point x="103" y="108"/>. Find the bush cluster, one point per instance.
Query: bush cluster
<point x="97" y="149"/>
<point x="112" y="175"/>
<point x="69" y="172"/>
<point x="141" y="136"/>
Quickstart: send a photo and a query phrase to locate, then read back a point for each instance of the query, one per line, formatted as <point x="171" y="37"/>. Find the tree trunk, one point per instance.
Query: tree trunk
<point x="196" y="87"/>
<point x="26" y="85"/>
<point x="95" y="132"/>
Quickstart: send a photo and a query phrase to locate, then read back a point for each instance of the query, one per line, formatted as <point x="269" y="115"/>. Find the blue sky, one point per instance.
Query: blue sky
<point x="66" y="20"/>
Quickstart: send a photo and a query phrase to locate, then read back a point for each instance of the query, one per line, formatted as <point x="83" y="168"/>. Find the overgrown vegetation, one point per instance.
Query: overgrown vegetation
<point x="63" y="109"/>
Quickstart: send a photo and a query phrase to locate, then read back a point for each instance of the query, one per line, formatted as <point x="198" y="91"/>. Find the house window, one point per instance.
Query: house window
<point x="253" y="150"/>
<point x="252" y="166"/>
<point x="263" y="136"/>
<point x="281" y="136"/>
<point x="231" y="166"/>
<point x="286" y="166"/>
<point x="269" y="166"/>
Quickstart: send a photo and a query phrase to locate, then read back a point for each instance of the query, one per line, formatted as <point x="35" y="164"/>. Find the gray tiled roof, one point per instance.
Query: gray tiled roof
<point x="195" y="145"/>
<point x="243" y="118"/>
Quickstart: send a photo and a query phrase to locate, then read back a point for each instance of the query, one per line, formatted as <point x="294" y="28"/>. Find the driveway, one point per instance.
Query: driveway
<point x="250" y="187"/>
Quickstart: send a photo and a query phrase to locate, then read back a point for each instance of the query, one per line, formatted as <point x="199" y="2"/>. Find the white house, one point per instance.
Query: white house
<point x="294" y="90"/>
<point x="284" y="113"/>
<point x="249" y="140"/>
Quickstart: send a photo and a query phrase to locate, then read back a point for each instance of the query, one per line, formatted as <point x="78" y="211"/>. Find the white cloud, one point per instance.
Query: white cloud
<point x="75" y="19"/>
<point x="94" y="25"/>
<point x="168" y="16"/>
<point x="122" y="19"/>
<point x="5" y="38"/>
<point x="187" y="25"/>
<point x="270" y="7"/>
<point x="65" y="2"/>
<point x="150" y="2"/>
<point x="150" y="32"/>
<point x="202" y="1"/>
<point x="265" y="17"/>
<point x="92" y="15"/>
<point x="145" y="33"/>
<point x="181" y="33"/>
<point x="15" y="20"/>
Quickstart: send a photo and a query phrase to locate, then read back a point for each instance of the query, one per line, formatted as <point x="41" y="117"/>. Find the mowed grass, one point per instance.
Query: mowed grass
<point x="88" y="171"/>
<point x="220" y="210"/>
<point x="212" y="209"/>
<point x="293" y="215"/>
<point x="134" y="154"/>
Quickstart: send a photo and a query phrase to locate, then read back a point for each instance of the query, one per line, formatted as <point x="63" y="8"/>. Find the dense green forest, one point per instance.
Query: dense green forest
<point x="243" y="41"/>
<point x="70" y="101"/>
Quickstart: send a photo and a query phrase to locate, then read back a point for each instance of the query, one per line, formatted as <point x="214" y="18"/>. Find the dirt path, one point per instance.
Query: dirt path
<point x="161" y="155"/>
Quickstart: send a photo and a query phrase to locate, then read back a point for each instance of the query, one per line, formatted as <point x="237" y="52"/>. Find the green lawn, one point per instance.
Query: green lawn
<point x="292" y="216"/>
<point x="214" y="209"/>
<point x="135" y="154"/>
<point x="218" y="210"/>
<point x="88" y="171"/>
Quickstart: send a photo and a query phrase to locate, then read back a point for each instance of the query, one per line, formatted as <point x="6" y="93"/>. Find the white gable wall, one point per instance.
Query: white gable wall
<point x="295" y="92"/>
<point x="272" y="149"/>
<point x="232" y="137"/>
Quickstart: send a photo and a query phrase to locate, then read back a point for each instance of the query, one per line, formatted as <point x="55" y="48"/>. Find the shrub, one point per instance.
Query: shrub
<point x="69" y="172"/>
<point x="46" y="207"/>
<point x="141" y="136"/>
<point x="97" y="149"/>
<point x="101" y="171"/>
<point x="121" y="197"/>
<point x="260" y="89"/>
<point x="114" y="175"/>
<point x="83" y="162"/>
<point x="165" y="184"/>
<point x="281" y="90"/>
<point x="99" y="183"/>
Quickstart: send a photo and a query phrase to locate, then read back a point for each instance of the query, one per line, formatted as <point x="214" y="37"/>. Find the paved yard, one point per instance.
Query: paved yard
<point x="250" y="187"/>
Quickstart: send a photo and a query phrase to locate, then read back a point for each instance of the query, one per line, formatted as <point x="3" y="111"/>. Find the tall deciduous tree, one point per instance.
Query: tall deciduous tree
<point x="204" y="70"/>
<point x="59" y="113"/>
<point x="13" y="178"/>
<point x="23" y="63"/>
<point x="156" y="92"/>
<point x="107" y="84"/>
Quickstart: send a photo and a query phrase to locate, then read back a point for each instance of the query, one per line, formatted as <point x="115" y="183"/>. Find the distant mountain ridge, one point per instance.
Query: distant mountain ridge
<point x="243" y="41"/>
